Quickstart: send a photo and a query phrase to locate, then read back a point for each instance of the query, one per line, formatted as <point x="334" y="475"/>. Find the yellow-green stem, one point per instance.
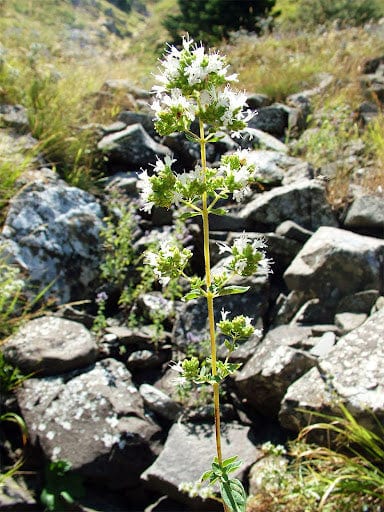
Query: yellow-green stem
<point x="208" y="281"/>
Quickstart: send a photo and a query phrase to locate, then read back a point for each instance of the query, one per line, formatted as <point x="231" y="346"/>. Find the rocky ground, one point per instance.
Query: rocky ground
<point x="107" y="404"/>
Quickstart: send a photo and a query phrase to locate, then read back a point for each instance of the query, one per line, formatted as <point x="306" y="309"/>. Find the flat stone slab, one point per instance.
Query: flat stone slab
<point x="51" y="345"/>
<point x="189" y="452"/>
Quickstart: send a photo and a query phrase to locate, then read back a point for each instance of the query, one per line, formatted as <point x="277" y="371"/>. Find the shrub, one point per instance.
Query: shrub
<point x="212" y="20"/>
<point x="310" y="13"/>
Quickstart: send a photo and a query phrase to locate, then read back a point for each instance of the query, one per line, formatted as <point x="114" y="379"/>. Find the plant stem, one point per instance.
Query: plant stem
<point x="211" y="317"/>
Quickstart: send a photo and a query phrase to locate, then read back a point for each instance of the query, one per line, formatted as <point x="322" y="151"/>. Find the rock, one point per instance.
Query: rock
<point x="14" y="116"/>
<point x="334" y="263"/>
<point x="143" y="359"/>
<point x="52" y="232"/>
<point x="186" y="153"/>
<point x="324" y="345"/>
<point x="95" y="420"/>
<point x="173" y="467"/>
<point x="366" y="215"/>
<point x="146" y="120"/>
<point x="353" y="372"/>
<point x="272" y="119"/>
<point x="258" y="100"/>
<point x="49" y="346"/>
<point x="132" y="147"/>
<point x="360" y="302"/>
<point x="315" y="311"/>
<point x="117" y="126"/>
<point x="298" y="172"/>
<point x="14" y="148"/>
<point x="271" y="166"/>
<point x="275" y="365"/>
<point x="287" y="306"/>
<point x="367" y="112"/>
<point x="15" y="497"/>
<point x="254" y="138"/>
<point x="347" y="322"/>
<point x="159" y="402"/>
<point x="302" y="202"/>
<point x="280" y="250"/>
<point x="370" y="66"/>
<point x="301" y="102"/>
<point x="290" y="229"/>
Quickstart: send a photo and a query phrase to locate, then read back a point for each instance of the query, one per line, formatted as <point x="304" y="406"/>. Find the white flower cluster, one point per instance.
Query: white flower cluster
<point x="169" y="262"/>
<point x="193" y="84"/>
<point x="247" y="255"/>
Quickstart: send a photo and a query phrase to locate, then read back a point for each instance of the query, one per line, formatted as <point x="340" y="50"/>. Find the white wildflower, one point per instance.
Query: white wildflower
<point x="224" y="314"/>
<point x="145" y="187"/>
<point x="179" y="380"/>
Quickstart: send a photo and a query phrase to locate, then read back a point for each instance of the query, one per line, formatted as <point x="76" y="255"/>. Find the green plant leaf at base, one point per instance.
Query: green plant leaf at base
<point x="233" y="495"/>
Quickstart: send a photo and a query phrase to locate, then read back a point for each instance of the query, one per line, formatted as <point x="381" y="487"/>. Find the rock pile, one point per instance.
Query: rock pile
<point x="108" y="406"/>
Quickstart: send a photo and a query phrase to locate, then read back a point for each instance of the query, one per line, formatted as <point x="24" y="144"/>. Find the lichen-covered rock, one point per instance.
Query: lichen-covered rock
<point x="302" y="202"/>
<point x="95" y="420"/>
<point x="189" y="452"/>
<point x="277" y="362"/>
<point x="52" y="232"/>
<point x="50" y="345"/>
<point x="353" y="371"/>
<point x="335" y="262"/>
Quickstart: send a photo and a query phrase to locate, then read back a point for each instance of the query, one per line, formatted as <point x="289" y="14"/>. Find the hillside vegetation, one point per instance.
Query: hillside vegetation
<point x="55" y="57"/>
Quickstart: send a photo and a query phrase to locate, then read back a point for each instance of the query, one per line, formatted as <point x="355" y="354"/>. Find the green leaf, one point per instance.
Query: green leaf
<point x="48" y="499"/>
<point x="188" y="215"/>
<point x="193" y="294"/>
<point x="218" y="211"/>
<point x="206" y="475"/>
<point x="233" y="495"/>
<point x="67" y="497"/>
<point x="232" y="290"/>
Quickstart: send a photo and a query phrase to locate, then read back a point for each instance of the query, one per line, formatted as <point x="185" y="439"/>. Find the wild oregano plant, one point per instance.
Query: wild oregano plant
<point x="195" y="97"/>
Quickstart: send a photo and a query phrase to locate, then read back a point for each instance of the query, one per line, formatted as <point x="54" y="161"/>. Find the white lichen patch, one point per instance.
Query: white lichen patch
<point x="110" y="439"/>
<point x="113" y="421"/>
<point x="56" y="452"/>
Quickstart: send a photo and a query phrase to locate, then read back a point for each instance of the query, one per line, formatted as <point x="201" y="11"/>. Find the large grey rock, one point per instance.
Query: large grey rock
<point x="302" y="202"/>
<point x="52" y="232"/>
<point x="132" y="147"/>
<point x="277" y="362"/>
<point x="272" y="119"/>
<point x="271" y="166"/>
<point x="352" y="372"/>
<point x="366" y="213"/>
<point x="189" y="452"/>
<point x="95" y="420"/>
<point x="50" y="345"/>
<point x="335" y="262"/>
